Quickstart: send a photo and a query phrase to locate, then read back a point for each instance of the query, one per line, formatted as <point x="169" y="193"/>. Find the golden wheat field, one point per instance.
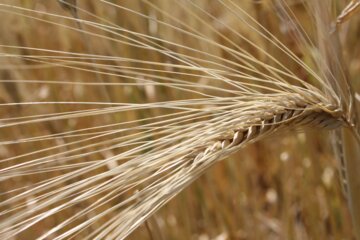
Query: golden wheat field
<point x="179" y="119"/>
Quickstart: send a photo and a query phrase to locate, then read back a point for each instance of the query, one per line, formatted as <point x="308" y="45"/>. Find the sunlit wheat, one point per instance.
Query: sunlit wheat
<point x="112" y="108"/>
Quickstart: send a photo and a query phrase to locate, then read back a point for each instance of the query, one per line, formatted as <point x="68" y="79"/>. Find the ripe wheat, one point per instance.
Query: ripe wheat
<point x="180" y="106"/>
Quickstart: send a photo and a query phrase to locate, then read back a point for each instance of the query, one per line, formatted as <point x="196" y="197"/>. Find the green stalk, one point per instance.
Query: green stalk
<point x="351" y="147"/>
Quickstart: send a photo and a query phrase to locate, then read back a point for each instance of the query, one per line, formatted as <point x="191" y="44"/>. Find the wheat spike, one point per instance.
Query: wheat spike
<point x="107" y="131"/>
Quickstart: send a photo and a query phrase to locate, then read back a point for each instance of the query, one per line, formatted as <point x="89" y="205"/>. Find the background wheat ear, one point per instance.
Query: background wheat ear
<point x="172" y="119"/>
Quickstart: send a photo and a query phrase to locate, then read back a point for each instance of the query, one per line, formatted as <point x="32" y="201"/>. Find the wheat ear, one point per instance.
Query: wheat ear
<point x="274" y="115"/>
<point x="287" y="114"/>
<point x="249" y="100"/>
